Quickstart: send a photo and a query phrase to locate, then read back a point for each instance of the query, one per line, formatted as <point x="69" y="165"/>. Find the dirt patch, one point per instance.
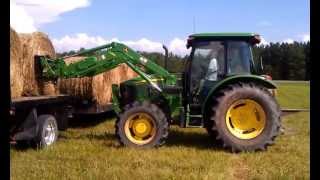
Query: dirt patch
<point x="238" y="168"/>
<point x="288" y="130"/>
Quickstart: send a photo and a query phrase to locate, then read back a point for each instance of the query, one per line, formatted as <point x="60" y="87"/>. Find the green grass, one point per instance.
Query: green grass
<point x="92" y="152"/>
<point x="294" y="94"/>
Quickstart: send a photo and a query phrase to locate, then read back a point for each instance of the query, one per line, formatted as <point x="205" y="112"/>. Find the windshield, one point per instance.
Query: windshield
<point x="239" y="57"/>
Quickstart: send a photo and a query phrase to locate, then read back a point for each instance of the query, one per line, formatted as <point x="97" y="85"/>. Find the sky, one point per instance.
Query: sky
<point x="145" y="25"/>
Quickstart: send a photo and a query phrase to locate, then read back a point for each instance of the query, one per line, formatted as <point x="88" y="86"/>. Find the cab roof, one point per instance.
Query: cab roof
<point x="253" y="38"/>
<point x="224" y="34"/>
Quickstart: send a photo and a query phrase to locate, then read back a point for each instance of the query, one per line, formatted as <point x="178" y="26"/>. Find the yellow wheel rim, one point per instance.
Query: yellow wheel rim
<point x="140" y="128"/>
<point x="245" y="119"/>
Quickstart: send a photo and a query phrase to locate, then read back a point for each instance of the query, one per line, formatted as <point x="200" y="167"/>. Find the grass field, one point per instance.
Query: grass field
<point x="294" y="94"/>
<point x="92" y="152"/>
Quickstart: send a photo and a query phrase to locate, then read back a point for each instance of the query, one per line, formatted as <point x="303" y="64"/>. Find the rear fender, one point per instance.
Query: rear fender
<point x="236" y="79"/>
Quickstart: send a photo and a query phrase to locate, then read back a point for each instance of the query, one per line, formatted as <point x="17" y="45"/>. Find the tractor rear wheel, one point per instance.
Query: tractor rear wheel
<point x="245" y="117"/>
<point x="142" y="125"/>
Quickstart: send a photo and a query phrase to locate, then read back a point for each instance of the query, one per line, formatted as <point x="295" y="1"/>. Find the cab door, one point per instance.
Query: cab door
<point x="207" y="68"/>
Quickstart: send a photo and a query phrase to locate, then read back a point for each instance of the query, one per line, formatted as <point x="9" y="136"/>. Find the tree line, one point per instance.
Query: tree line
<point x="283" y="61"/>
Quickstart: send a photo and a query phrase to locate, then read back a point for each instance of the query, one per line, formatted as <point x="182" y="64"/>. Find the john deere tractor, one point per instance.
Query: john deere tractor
<point x="220" y="90"/>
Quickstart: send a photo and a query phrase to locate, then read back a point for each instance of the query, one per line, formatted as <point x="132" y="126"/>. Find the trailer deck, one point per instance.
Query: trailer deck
<point x="39" y="100"/>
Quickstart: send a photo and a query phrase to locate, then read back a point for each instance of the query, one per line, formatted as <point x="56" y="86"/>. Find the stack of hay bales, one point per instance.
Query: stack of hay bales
<point x="16" y="73"/>
<point x="24" y="74"/>
<point x="24" y="80"/>
<point x="34" y="44"/>
<point x="97" y="88"/>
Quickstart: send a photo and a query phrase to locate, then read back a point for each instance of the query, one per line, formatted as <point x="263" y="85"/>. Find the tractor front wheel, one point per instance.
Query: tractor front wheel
<point x="142" y="125"/>
<point x="245" y="117"/>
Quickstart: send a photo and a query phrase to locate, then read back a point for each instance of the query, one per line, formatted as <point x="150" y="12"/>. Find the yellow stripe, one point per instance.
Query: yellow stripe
<point x="152" y="80"/>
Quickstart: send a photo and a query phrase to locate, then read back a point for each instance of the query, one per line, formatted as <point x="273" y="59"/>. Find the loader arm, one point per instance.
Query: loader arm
<point x="101" y="59"/>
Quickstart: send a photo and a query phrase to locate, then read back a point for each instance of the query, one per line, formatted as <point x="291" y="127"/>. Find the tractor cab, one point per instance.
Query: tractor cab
<point x="214" y="57"/>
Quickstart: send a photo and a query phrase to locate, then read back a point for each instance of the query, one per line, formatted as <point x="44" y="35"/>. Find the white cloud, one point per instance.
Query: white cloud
<point x="28" y="15"/>
<point x="144" y="45"/>
<point x="75" y="42"/>
<point x="178" y="46"/>
<point x="263" y="42"/>
<point x="289" y="41"/>
<point x="306" y="37"/>
<point x="20" y="20"/>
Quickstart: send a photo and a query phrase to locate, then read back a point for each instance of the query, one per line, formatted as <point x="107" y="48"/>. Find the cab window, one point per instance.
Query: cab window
<point x="239" y="57"/>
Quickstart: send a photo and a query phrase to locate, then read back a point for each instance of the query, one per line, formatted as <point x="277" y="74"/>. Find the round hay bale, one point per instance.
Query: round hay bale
<point x="102" y="85"/>
<point x="16" y="76"/>
<point x="80" y="87"/>
<point x="73" y="59"/>
<point x="98" y="88"/>
<point x="36" y="44"/>
<point x="129" y="73"/>
<point x="48" y="88"/>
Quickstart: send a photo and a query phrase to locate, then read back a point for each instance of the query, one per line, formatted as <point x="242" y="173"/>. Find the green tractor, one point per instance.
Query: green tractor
<point x="220" y="90"/>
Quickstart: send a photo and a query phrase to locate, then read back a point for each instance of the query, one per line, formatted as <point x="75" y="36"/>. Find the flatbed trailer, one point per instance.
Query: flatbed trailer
<point x="37" y="119"/>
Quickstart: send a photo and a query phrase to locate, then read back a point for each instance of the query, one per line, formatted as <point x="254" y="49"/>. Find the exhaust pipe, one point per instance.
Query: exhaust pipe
<point x="165" y="57"/>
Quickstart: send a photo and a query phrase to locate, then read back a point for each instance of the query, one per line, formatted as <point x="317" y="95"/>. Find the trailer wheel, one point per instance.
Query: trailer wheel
<point x="245" y="117"/>
<point x="47" y="132"/>
<point x="142" y="125"/>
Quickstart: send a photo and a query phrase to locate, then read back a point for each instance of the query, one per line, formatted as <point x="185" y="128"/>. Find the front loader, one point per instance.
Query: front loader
<point x="220" y="90"/>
